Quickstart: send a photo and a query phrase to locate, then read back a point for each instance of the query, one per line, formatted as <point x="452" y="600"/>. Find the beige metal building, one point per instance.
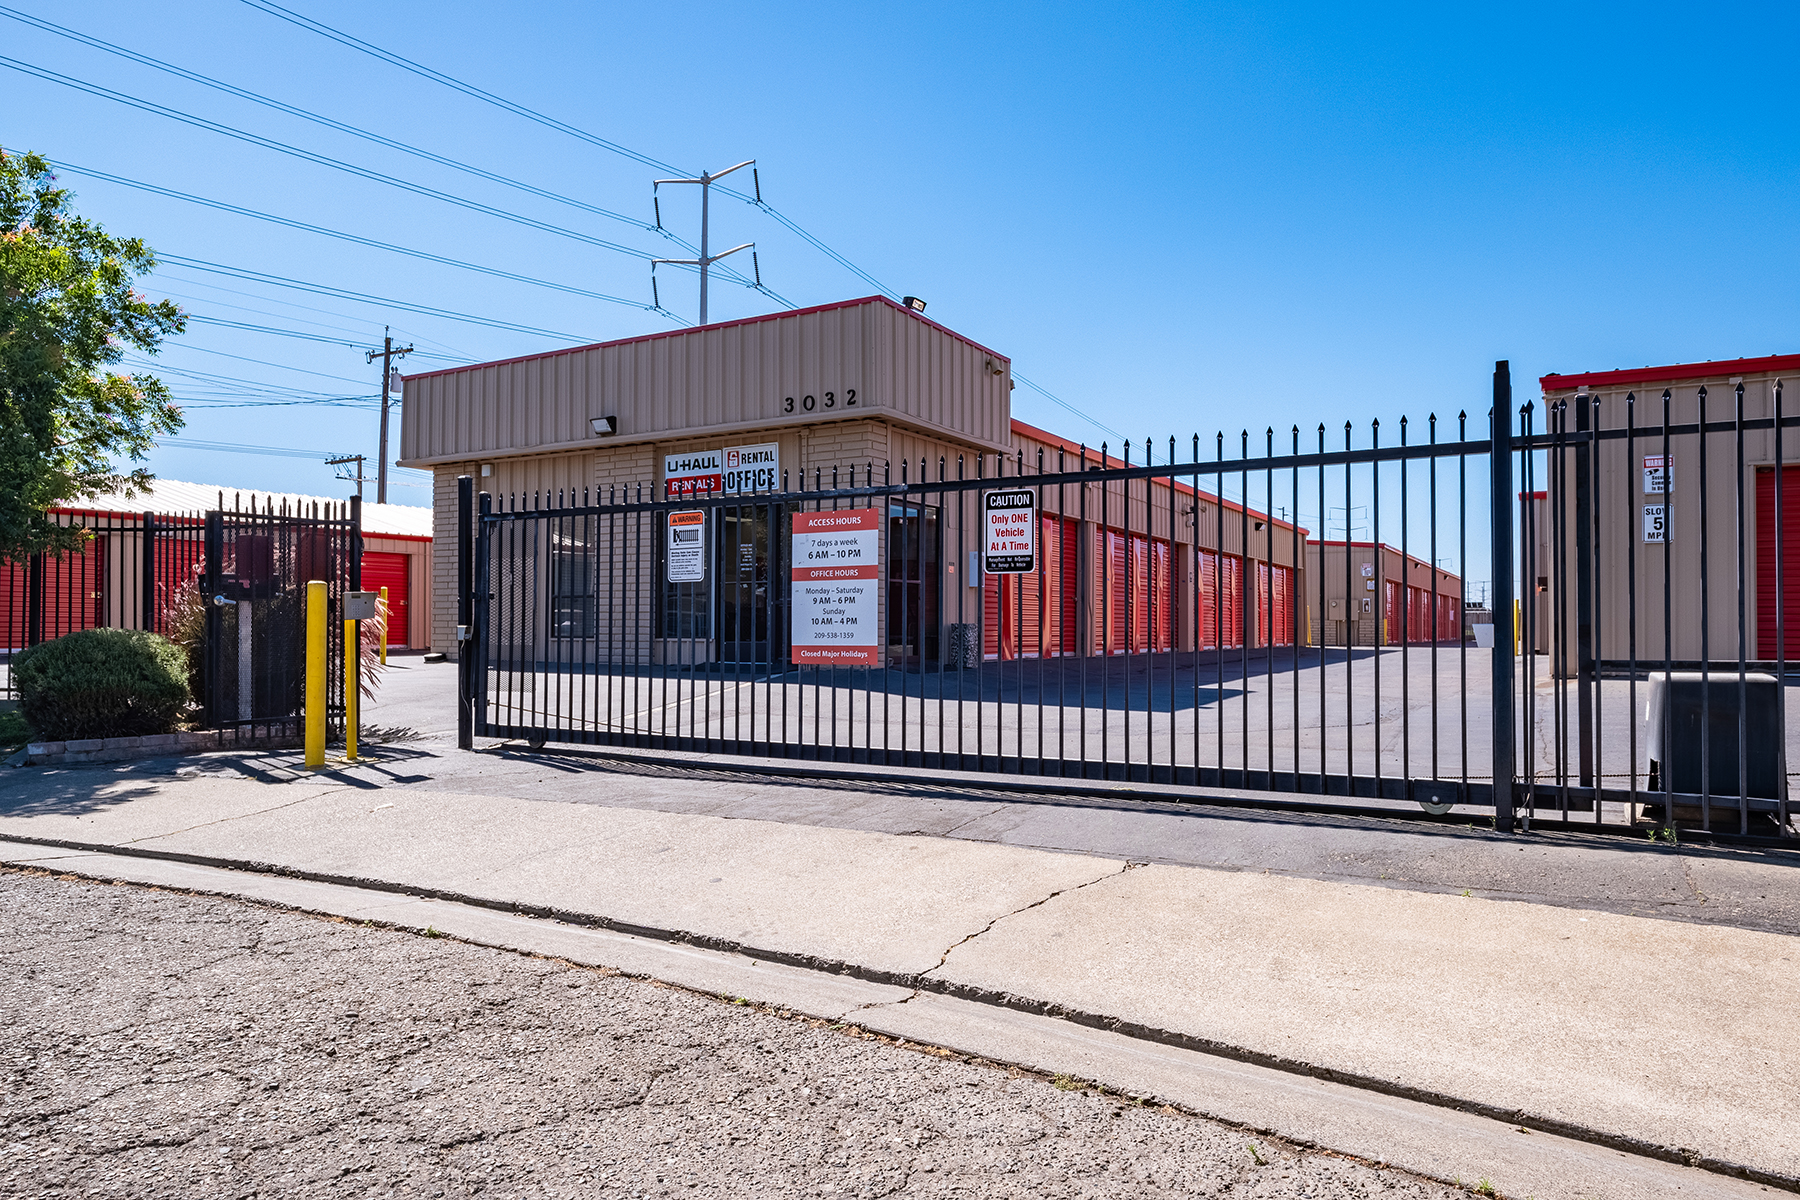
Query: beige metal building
<point x="1654" y="512"/>
<point x="1393" y="599"/>
<point x="858" y="387"/>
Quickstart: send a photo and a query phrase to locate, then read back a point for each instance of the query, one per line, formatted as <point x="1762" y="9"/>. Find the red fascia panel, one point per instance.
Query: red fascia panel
<point x="396" y="537"/>
<point x="668" y="333"/>
<point x="1706" y="370"/>
<point x="1108" y="462"/>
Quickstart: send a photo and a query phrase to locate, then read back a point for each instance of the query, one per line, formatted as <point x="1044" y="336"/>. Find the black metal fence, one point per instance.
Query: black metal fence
<point x="228" y="583"/>
<point x="1169" y="622"/>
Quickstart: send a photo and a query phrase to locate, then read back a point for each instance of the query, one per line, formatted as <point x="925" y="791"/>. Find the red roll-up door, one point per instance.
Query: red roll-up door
<point x="1162" y="593"/>
<point x="1068" y="585"/>
<point x="1209" y="591"/>
<point x="1109" y="579"/>
<point x="1284" y="606"/>
<point x="1390" y="609"/>
<point x="393" y="572"/>
<point x="1766" y="550"/>
<point x="74" y="594"/>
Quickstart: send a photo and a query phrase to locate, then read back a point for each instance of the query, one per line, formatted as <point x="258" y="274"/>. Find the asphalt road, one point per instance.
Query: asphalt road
<point x="161" y="1044"/>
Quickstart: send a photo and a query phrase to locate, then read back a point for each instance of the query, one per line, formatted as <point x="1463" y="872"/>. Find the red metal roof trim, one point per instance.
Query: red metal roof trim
<point x="1109" y="462"/>
<point x="668" y="333"/>
<point x="1723" y="369"/>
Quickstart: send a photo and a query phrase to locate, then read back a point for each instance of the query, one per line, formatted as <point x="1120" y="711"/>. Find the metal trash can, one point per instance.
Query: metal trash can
<point x="1679" y="696"/>
<point x="965" y="646"/>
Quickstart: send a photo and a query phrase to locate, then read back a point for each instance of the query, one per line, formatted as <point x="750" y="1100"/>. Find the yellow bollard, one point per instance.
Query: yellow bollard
<point x="352" y="661"/>
<point x="384" y="625"/>
<point x="316" y="600"/>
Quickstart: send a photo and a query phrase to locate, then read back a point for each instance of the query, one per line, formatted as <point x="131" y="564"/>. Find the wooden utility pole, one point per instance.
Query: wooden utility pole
<point x="359" y="460"/>
<point x="388" y="353"/>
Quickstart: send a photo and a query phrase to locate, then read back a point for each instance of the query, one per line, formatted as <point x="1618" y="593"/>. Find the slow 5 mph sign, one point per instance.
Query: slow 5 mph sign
<point x="1009" y="531"/>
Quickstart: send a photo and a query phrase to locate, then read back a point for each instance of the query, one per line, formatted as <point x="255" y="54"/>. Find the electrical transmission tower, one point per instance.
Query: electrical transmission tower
<point x="706" y="260"/>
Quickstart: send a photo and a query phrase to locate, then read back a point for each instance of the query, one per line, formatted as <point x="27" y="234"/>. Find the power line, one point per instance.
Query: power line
<point x="239" y="448"/>
<point x="320" y="159"/>
<point x="357" y="239"/>
<point x="292" y="333"/>
<point x="1055" y="399"/>
<point x="450" y="81"/>
<point x="363" y="297"/>
<point x="469" y="89"/>
<point x="340" y="126"/>
<point x="261" y="362"/>
<point x="406" y="64"/>
<point x="278" y="451"/>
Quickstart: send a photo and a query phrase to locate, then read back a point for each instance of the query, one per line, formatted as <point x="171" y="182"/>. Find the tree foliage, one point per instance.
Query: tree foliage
<point x="68" y="312"/>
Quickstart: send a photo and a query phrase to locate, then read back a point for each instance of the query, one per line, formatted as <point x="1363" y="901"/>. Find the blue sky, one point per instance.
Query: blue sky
<point x="1176" y="218"/>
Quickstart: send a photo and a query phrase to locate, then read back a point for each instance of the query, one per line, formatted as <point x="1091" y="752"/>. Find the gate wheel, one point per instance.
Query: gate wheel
<point x="536" y="743"/>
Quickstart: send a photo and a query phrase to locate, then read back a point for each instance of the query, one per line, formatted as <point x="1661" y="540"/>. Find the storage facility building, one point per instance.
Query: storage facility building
<point x="840" y="395"/>
<point x="1652" y="515"/>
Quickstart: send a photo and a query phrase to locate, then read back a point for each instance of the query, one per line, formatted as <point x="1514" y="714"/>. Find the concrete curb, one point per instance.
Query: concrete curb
<point x="925" y="982"/>
<point x="156" y="745"/>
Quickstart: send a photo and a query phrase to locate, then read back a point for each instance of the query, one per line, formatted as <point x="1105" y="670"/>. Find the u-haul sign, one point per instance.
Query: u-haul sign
<point x="730" y="471"/>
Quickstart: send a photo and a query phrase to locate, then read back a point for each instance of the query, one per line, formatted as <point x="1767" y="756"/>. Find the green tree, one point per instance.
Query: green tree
<point x="67" y="312"/>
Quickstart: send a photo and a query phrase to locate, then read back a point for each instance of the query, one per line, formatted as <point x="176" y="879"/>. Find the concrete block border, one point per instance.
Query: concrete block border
<point x="158" y="745"/>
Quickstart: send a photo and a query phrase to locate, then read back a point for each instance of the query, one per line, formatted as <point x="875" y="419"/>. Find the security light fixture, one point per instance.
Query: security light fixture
<point x="914" y="303"/>
<point x="604" y="426"/>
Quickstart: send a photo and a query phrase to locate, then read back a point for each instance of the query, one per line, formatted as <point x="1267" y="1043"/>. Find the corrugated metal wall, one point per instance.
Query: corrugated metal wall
<point x="844" y="362"/>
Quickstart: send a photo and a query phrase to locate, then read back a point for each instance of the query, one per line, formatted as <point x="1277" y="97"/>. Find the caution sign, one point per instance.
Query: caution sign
<point x="1009" y="529"/>
<point x="837" y="588"/>
<point x="687" y="546"/>
<point x="1656" y="473"/>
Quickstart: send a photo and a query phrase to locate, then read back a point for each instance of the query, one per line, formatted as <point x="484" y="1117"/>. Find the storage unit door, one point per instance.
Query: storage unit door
<point x="1209" y="601"/>
<point x="73" y="595"/>
<point x="1790" y="562"/>
<point x="1284" y="606"/>
<point x="390" y="571"/>
<point x="1068" y="584"/>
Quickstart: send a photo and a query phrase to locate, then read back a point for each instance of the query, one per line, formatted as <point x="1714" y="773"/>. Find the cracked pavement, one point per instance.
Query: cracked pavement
<point x="169" y="1045"/>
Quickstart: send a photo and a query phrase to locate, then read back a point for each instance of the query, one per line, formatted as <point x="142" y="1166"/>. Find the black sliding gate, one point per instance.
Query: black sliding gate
<point x="1203" y="621"/>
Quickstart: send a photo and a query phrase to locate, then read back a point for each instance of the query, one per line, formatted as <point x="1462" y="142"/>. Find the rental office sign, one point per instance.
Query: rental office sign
<point x="729" y="472"/>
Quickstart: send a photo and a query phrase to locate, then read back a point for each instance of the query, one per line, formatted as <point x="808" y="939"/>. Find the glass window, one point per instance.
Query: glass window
<point x="572" y="583"/>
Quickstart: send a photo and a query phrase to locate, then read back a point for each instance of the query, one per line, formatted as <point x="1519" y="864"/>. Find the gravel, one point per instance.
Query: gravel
<point x="161" y="1044"/>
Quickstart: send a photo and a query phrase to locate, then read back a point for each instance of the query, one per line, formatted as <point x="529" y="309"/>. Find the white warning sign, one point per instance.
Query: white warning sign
<point x="1009" y="531"/>
<point x="687" y="546"/>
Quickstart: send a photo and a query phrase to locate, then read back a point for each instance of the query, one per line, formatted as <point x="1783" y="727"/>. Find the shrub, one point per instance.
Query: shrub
<point x="102" y="683"/>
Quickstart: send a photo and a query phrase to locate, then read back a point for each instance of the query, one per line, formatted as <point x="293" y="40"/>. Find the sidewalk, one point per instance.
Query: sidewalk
<point x="1665" y="1033"/>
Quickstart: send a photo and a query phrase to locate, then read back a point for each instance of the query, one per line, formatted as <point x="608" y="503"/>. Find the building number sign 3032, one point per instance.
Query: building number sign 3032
<point x="818" y="403"/>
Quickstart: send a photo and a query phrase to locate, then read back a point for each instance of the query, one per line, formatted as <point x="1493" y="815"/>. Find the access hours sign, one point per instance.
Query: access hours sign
<point x="1009" y="531"/>
<point x="837" y="587"/>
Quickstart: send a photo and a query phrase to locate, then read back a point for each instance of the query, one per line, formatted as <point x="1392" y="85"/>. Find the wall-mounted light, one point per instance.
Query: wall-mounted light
<point x="487" y="469"/>
<point x="603" y="426"/>
<point x="1260" y="525"/>
<point x="914" y="303"/>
